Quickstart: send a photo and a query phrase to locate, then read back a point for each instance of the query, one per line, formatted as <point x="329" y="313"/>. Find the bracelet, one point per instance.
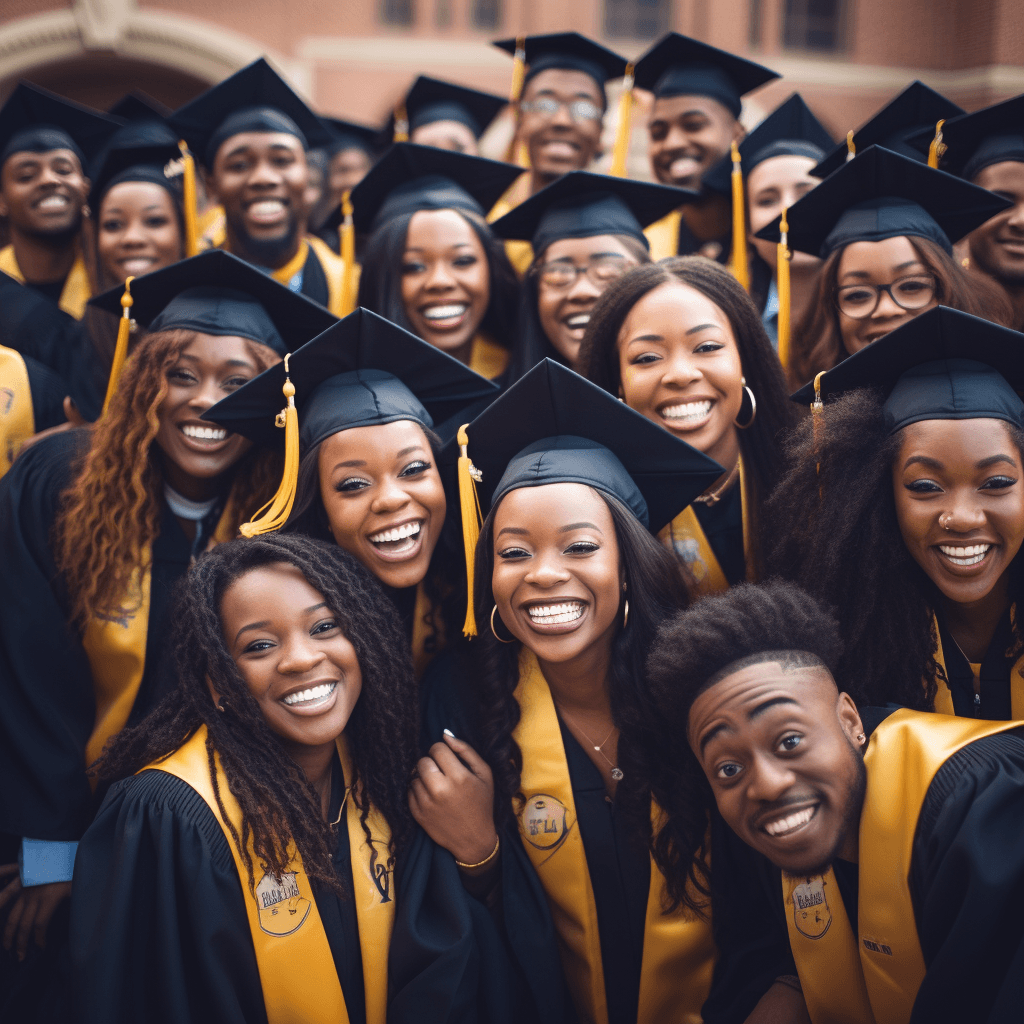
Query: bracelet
<point x="486" y="860"/>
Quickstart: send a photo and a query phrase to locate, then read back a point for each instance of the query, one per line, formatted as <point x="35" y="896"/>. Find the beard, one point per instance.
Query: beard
<point x="852" y="804"/>
<point x="56" y="238"/>
<point x="268" y="252"/>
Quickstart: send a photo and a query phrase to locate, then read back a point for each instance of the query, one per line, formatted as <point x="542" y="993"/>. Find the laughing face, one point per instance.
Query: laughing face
<point x="557" y="580"/>
<point x="960" y="504"/>
<point x="383" y="497"/>
<point x="780" y="748"/>
<point x="688" y="135"/>
<point x="137" y="231"/>
<point x="679" y="365"/>
<point x="291" y="654"/>
<point x="43" y="193"/>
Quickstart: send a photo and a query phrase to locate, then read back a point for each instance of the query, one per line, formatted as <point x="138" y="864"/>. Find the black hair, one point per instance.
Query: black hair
<point x="748" y="624"/>
<point x="278" y="804"/>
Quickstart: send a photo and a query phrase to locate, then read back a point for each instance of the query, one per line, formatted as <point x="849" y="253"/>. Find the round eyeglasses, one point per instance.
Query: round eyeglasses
<point x="579" y="110"/>
<point x="858" y="301"/>
<point x="559" y="275"/>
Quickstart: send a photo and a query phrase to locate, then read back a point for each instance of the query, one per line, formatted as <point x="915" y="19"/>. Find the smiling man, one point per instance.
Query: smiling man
<point x="44" y="144"/>
<point x="890" y="837"/>
<point x="251" y="133"/>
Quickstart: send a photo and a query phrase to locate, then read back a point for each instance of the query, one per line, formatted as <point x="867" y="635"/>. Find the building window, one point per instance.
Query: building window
<point x="637" y="19"/>
<point x="487" y="14"/>
<point x="815" y="25"/>
<point x="396" y="12"/>
<point x="754" y="27"/>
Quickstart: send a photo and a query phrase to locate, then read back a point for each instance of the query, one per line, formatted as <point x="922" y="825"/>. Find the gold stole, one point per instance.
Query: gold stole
<point x="17" y="420"/>
<point x="685" y="537"/>
<point x="663" y="235"/>
<point x="115" y="645"/>
<point x="488" y="358"/>
<point x="212" y="232"/>
<point x="426" y="623"/>
<point x="334" y="271"/>
<point x="76" y="292"/>
<point x="519" y="251"/>
<point x="679" y="953"/>
<point x="875" y="980"/>
<point x="944" y="699"/>
<point x="297" y="972"/>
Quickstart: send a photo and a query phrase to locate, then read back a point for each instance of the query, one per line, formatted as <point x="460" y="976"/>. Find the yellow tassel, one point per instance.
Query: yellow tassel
<point x="938" y="148"/>
<point x="348" y="254"/>
<point x="620" y="152"/>
<point x="783" y="256"/>
<point x="275" y="512"/>
<point x="189" y="200"/>
<point x="851" y="149"/>
<point x="401" y="133"/>
<point x="518" y="71"/>
<point x="469" y="501"/>
<point x="124" y="328"/>
<point x="739" y="222"/>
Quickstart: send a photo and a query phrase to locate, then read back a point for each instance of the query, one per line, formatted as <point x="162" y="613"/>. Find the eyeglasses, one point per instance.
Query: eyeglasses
<point x="579" y="110"/>
<point x="559" y="275"/>
<point x="858" y="301"/>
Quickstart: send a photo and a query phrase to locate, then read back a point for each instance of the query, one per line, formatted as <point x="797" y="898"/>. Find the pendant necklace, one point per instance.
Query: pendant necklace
<point x="711" y="498"/>
<point x="616" y="771"/>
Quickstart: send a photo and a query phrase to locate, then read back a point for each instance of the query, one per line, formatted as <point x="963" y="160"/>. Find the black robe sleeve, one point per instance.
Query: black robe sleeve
<point x="34" y="326"/>
<point x="48" y="390"/>
<point x="967" y="884"/>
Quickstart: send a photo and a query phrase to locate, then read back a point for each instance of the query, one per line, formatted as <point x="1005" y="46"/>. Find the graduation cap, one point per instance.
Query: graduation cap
<point x="255" y="99"/>
<point x="565" y="51"/>
<point x="789" y="130"/>
<point x="350" y="135"/>
<point x="677" y="65"/>
<point x="431" y="99"/>
<point x="36" y="120"/>
<point x="916" y="108"/>
<point x="582" y="204"/>
<point x="942" y="365"/>
<point x="554" y="426"/>
<point x="159" y="165"/>
<point x="410" y="177"/>
<point x="880" y="194"/>
<point x="364" y="370"/>
<point x="973" y="142"/>
<point x="136" y="106"/>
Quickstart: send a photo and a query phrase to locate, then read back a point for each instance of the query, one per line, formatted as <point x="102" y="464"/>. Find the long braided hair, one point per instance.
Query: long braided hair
<point x="278" y="804"/>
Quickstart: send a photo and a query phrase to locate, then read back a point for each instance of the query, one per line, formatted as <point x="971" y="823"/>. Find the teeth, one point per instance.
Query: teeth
<point x="578" y="321"/>
<point x="788" y="824"/>
<point x="53" y="203"/>
<point x="554" y="614"/>
<point x="204" y="433"/>
<point x="445" y="312"/>
<point x="313" y="693"/>
<point x="687" y="411"/>
<point x="396" y="534"/>
<point x="970" y="555"/>
<point x="266" y="207"/>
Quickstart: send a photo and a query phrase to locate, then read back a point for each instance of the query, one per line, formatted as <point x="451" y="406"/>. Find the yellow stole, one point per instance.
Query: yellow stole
<point x="212" y="232"/>
<point x="944" y="699"/>
<point x="874" y="978"/>
<point x="115" y="645"/>
<point x="519" y="252"/>
<point x="685" y="536"/>
<point x="297" y="973"/>
<point x="76" y="292"/>
<point x="426" y="623"/>
<point x="488" y="358"/>
<point x="17" y="420"/>
<point x="679" y="953"/>
<point x="663" y="235"/>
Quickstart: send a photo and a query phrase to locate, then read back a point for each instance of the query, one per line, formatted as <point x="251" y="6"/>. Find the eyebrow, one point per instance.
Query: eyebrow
<point x="227" y="362"/>
<point x="248" y="146"/>
<point x="517" y="531"/>
<point x="578" y="526"/>
<point x="266" y="622"/>
<point x="702" y="327"/>
<point x="145" y="209"/>
<point x="751" y="715"/>
<point x="454" y="245"/>
<point x="408" y="451"/>
<point x="899" y="266"/>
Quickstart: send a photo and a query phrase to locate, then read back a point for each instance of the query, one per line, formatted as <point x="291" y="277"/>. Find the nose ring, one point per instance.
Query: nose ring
<point x="945" y="519"/>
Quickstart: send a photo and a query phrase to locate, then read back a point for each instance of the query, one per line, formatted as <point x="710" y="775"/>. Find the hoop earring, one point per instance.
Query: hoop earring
<point x="495" y="632"/>
<point x="753" y="407"/>
<point x="625" y="613"/>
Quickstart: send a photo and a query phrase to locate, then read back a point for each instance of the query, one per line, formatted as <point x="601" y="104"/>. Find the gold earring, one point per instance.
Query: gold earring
<point x="625" y="613"/>
<point x="495" y="632"/>
<point x="753" y="407"/>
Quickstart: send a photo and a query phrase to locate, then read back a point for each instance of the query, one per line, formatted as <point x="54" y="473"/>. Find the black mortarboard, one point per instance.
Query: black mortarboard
<point x="942" y="365"/>
<point x="880" y="194"/>
<point x="568" y="51"/>
<point x="217" y="293"/>
<point x="363" y="370"/>
<point x="554" y="426"/>
<point x="410" y="177"/>
<point x="581" y="204"/>
<point x="255" y="99"/>
<point x="677" y="65"/>
<point x="350" y="135"/>
<point x="156" y="164"/>
<point x="431" y="99"/>
<point x="789" y="130"/>
<point x="974" y="141"/>
<point x="36" y="120"/>
<point x="916" y="108"/>
<point x="137" y="106"/>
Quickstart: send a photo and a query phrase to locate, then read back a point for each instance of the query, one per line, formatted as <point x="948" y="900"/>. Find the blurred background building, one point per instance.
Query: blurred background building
<point x="354" y="58"/>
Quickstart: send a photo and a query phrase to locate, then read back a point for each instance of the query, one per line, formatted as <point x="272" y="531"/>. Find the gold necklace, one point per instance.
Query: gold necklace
<point x="616" y="771"/>
<point x="716" y="495"/>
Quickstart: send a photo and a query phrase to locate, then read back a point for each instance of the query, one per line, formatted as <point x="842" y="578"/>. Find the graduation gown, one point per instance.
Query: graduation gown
<point x="671" y="236"/>
<point x="70" y="295"/>
<point x="31" y="399"/>
<point x="964" y="885"/>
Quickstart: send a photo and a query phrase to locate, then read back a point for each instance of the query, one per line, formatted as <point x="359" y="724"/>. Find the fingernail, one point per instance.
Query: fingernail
<point x="448" y="732"/>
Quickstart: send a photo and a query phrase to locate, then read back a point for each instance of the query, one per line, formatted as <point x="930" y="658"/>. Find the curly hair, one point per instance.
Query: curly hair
<point x="278" y="803"/>
<point x="761" y="445"/>
<point x="111" y="512"/>
<point x="692" y="651"/>
<point x="655" y="589"/>
<point x="380" y="282"/>
<point x="835" y="533"/>
<point x="817" y="342"/>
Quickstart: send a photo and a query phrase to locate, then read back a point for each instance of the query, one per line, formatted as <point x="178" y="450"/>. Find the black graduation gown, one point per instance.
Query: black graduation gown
<point x="314" y="280"/>
<point x="966" y="883"/>
<point x="48" y="390"/>
<point x="993" y="701"/>
<point x="722" y="524"/>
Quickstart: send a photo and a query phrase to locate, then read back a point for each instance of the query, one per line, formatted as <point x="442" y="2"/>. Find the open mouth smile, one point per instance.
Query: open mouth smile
<point x="687" y="415"/>
<point x="399" y="543"/>
<point x="556" y="616"/>
<point x="53" y="203"/>
<point x="203" y="437"/>
<point x="445" y="317"/>
<point x="267" y="211"/>
<point x="577" y="322"/>
<point x="790" y="824"/>
<point x="965" y="555"/>
<point x="313" y="697"/>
